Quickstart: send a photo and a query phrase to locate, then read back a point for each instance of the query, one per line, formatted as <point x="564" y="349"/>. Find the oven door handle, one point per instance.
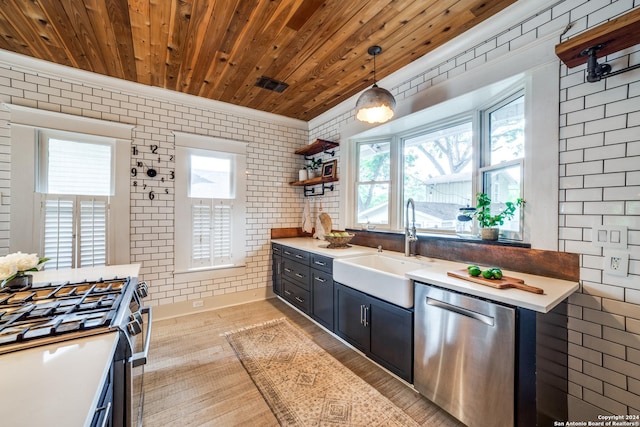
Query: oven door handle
<point x="140" y="358"/>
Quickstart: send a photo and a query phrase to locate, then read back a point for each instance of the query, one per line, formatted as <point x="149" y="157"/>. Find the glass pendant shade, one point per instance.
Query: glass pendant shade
<point x="375" y="105"/>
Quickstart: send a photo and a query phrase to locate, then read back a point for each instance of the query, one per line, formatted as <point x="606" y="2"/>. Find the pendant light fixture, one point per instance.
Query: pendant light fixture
<point x="375" y="105"/>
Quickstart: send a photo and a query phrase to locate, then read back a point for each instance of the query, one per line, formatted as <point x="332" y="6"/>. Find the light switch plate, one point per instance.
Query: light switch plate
<point x="609" y="236"/>
<point x="616" y="263"/>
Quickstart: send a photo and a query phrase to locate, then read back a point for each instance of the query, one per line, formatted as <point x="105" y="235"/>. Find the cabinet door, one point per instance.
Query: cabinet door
<point x="322" y="298"/>
<point x="276" y="264"/>
<point x="350" y="311"/>
<point x="392" y="337"/>
<point x="277" y="274"/>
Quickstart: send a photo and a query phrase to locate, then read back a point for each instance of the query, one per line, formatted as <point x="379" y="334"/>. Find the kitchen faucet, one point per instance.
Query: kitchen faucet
<point x="409" y="233"/>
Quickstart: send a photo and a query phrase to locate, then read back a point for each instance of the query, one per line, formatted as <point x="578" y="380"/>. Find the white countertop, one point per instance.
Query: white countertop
<point x="320" y="247"/>
<point x="57" y="384"/>
<point x="435" y="273"/>
<point x="87" y="273"/>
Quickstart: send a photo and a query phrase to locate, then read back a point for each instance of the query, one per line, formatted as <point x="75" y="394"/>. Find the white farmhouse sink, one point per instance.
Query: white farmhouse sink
<point x="379" y="275"/>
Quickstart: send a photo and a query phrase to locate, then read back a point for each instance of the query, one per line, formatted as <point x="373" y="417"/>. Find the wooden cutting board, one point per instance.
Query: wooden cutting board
<point x="504" y="283"/>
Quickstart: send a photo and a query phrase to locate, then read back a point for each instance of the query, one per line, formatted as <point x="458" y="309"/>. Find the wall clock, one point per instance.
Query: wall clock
<point x="148" y="170"/>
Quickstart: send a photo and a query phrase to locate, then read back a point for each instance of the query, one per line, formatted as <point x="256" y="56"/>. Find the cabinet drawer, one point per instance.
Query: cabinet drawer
<point x="295" y="255"/>
<point x="296" y="272"/>
<point x="296" y="295"/>
<point x="276" y="249"/>
<point x="321" y="278"/>
<point x="321" y="262"/>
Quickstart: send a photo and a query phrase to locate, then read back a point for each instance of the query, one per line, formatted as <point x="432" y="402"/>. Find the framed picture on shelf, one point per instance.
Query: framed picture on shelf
<point x="330" y="169"/>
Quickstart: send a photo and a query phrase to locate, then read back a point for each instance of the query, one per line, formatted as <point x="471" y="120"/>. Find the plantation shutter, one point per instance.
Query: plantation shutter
<point x="75" y="231"/>
<point x="211" y="232"/>
<point x="201" y="230"/>
<point x="92" y="247"/>
<point x="58" y="232"/>
<point x="222" y="233"/>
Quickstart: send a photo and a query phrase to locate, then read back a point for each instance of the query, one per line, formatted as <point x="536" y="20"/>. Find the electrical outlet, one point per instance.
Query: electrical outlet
<point x="197" y="304"/>
<point x="616" y="263"/>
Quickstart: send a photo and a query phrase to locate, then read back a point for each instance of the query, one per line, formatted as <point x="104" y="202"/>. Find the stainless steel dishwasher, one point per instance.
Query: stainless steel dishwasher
<point x="465" y="356"/>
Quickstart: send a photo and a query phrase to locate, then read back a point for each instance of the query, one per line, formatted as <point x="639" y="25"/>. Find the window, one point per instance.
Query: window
<point x="373" y="182"/>
<point x="438" y="172"/>
<point x="210" y="212"/>
<point x="442" y="166"/>
<point x="75" y="183"/>
<point x="502" y="163"/>
<point x="70" y="188"/>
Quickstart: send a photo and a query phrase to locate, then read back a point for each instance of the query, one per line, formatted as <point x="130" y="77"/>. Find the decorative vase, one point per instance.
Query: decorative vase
<point x="20" y="281"/>
<point x="489" y="233"/>
<point x="302" y="175"/>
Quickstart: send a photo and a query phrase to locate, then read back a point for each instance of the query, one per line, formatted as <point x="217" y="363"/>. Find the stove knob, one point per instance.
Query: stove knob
<point x="142" y="290"/>
<point x="134" y="327"/>
<point x="136" y="316"/>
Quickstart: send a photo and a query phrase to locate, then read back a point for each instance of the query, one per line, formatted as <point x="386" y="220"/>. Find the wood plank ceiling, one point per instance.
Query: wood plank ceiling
<point x="218" y="49"/>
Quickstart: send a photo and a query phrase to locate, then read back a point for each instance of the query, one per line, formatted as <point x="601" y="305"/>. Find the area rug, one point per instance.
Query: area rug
<point x="306" y="386"/>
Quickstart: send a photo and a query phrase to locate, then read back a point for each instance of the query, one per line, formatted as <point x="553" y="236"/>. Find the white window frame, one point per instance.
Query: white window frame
<point x="187" y="144"/>
<point x="26" y="123"/>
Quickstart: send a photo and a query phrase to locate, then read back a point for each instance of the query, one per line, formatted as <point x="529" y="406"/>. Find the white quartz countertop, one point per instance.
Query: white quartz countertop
<point x="320" y="247"/>
<point x="435" y="273"/>
<point x="57" y="384"/>
<point x="87" y="273"/>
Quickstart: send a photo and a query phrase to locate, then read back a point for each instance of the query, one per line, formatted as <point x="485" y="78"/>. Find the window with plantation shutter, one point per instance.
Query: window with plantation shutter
<point x="210" y="205"/>
<point x="76" y="181"/>
<point x="70" y="188"/>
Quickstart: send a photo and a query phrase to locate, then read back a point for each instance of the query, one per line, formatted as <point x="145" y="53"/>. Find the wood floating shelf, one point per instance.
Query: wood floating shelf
<point x="312" y="181"/>
<point x="613" y="36"/>
<point x="318" y="146"/>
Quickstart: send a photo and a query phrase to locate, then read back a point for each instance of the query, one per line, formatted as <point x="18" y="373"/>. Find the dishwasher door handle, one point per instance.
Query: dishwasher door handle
<point x="488" y="320"/>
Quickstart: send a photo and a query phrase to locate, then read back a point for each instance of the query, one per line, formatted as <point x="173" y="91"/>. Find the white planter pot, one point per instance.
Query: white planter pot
<point x="302" y="175"/>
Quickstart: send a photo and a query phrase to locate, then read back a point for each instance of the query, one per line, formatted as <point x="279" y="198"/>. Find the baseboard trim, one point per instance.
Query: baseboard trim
<point x="184" y="308"/>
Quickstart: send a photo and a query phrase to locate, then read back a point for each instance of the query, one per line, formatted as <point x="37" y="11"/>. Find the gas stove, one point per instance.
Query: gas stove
<point x="50" y="312"/>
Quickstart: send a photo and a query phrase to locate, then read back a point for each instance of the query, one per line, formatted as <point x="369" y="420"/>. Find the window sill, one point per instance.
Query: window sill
<point x="208" y="273"/>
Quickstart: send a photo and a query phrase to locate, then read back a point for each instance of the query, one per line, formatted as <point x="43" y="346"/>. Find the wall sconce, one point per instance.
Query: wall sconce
<point x="375" y="105"/>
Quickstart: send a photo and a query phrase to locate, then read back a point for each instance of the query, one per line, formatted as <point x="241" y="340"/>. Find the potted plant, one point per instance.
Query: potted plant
<point x="489" y="221"/>
<point x="13" y="269"/>
<point x="313" y="167"/>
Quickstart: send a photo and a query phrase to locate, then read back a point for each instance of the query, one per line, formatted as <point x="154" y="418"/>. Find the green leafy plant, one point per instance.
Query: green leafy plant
<point x="487" y="219"/>
<point x="314" y="164"/>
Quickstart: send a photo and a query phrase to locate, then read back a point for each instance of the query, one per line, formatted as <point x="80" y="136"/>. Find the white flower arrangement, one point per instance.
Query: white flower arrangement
<point x="18" y="263"/>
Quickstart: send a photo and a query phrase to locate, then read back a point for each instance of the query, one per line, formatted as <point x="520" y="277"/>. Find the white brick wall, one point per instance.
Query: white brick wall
<point x="599" y="184"/>
<point x="270" y="160"/>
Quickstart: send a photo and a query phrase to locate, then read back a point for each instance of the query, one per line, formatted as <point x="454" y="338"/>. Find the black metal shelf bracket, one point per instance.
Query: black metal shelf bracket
<point x="310" y="191"/>
<point x="325" y="150"/>
<point x="597" y="72"/>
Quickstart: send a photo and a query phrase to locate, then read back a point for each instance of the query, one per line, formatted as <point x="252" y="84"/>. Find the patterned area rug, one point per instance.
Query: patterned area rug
<point x="306" y="386"/>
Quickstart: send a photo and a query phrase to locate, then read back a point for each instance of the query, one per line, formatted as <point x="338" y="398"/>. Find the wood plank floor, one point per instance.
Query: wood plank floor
<point x="193" y="377"/>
